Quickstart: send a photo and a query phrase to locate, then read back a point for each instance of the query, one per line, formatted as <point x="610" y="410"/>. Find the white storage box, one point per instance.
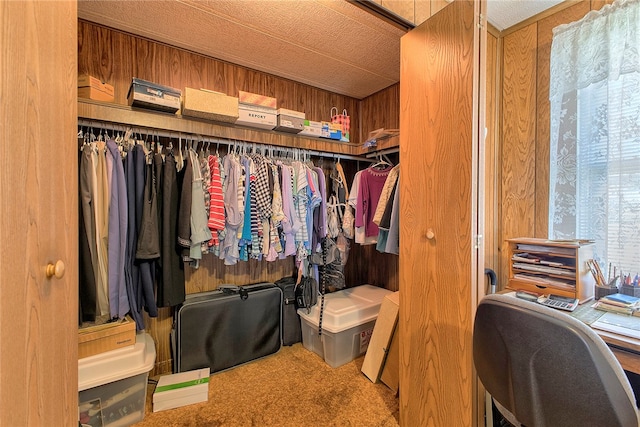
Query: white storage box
<point x="311" y="128"/>
<point x="258" y="117"/>
<point x="112" y="385"/>
<point x="290" y="121"/>
<point x="181" y="389"/>
<point x="347" y="323"/>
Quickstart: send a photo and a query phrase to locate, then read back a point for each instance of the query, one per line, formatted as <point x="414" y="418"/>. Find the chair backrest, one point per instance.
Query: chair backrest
<point x="547" y="368"/>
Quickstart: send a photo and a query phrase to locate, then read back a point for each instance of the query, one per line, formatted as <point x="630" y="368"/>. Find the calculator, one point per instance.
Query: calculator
<point x="556" y="301"/>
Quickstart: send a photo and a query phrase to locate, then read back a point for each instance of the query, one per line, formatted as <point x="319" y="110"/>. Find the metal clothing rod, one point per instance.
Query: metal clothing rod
<point x="382" y="152"/>
<point x="117" y="127"/>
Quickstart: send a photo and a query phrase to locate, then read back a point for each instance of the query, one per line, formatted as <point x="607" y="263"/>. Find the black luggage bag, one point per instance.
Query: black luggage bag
<point x="291" y="329"/>
<point x="227" y="327"/>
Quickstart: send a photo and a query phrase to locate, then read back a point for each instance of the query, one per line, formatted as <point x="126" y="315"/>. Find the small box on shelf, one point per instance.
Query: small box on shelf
<point x="93" y="88"/>
<point x="209" y="105"/>
<point x="105" y="337"/>
<point x="630" y="290"/>
<point x="153" y="96"/>
<point x="601" y="291"/>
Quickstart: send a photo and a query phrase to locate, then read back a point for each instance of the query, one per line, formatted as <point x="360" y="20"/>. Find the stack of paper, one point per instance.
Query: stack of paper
<point x="185" y="388"/>
<point x="619" y="303"/>
<point x="619" y="324"/>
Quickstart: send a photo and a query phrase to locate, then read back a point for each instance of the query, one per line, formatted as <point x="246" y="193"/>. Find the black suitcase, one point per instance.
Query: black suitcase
<point x="291" y="329"/>
<point x="227" y="327"/>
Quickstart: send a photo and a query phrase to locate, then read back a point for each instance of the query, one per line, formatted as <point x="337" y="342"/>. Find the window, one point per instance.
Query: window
<point x="595" y="134"/>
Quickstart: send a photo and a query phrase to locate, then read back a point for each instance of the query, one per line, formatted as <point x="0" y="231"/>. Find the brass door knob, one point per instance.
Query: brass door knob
<point x="56" y="270"/>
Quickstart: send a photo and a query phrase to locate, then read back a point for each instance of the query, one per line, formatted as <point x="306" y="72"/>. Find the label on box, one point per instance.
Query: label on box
<point x="331" y="130"/>
<point x="365" y="339"/>
<point x="258" y="119"/>
<point x="154" y="96"/>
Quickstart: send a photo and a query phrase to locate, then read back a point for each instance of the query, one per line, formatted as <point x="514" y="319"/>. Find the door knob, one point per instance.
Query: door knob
<point x="56" y="270"/>
<point x="430" y="234"/>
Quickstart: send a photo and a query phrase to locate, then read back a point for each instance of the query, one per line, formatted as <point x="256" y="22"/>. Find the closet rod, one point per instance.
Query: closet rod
<point x="111" y="126"/>
<point x="382" y="152"/>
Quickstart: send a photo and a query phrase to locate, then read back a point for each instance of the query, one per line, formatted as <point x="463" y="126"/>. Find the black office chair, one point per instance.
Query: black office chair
<point x="544" y="368"/>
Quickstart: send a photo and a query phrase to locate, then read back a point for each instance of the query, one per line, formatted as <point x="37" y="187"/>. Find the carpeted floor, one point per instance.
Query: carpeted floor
<point x="293" y="387"/>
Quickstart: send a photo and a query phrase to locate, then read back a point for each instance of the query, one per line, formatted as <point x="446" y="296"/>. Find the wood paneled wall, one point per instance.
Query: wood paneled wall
<point x="524" y="198"/>
<point x="380" y="110"/>
<point x="116" y="57"/>
<point x="491" y="154"/>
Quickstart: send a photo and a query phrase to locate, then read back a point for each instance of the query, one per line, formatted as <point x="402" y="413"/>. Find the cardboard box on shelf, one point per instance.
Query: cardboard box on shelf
<point x="311" y="128"/>
<point x="331" y="131"/>
<point x="290" y="121"/>
<point x="210" y="105"/>
<point x="109" y="336"/>
<point x="251" y="117"/>
<point x="93" y="88"/>
<point x="256" y="99"/>
<point x="153" y="96"/>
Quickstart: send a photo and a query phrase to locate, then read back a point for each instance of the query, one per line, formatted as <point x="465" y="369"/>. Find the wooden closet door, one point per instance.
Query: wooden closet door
<point x="440" y="174"/>
<point x="38" y="192"/>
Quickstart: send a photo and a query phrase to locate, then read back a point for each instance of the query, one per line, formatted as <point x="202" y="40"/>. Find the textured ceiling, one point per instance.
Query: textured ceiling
<point x="506" y="13"/>
<point x="329" y="44"/>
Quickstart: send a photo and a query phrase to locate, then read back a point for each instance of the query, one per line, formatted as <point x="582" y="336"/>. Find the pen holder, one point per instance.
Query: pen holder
<point x="601" y="291"/>
<point x="630" y="290"/>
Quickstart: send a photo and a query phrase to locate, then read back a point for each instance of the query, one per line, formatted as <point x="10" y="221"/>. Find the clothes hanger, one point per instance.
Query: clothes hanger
<point x="382" y="163"/>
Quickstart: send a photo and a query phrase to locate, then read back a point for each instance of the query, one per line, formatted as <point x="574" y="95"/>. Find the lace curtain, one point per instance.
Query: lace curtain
<point x="595" y="133"/>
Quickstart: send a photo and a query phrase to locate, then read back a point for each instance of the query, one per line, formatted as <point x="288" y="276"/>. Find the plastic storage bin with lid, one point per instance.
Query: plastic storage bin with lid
<point x="112" y="386"/>
<point x="347" y="323"/>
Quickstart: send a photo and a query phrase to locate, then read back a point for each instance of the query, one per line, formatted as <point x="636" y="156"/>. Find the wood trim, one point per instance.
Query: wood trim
<point x="492" y="150"/>
<point x="125" y="115"/>
<point x="551" y="11"/>
<point x="518" y="137"/>
<point x="491" y="30"/>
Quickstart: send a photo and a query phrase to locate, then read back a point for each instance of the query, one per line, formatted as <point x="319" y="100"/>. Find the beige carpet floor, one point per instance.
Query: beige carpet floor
<point x="293" y="387"/>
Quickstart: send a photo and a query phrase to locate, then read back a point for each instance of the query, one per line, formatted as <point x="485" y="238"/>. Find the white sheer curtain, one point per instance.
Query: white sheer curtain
<point x="595" y="133"/>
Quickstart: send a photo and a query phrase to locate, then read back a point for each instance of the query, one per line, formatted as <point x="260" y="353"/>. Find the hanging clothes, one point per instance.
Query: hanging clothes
<point x="171" y="288"/>
<point x="359" y="234"/>
<point x="184" y="211"/>
<point x="371" y="183"/>
<point x="88" y="261"/>
<point x="148" y="245"/>
<point x="117" y="245"/>
<point x="385" y="195"/>
<point x="232" y="190"/>
<point x="199" y="231"/>
<point x="134" y="172"/>
<point x="216" y="201"/>
<point x="101" y="197"/>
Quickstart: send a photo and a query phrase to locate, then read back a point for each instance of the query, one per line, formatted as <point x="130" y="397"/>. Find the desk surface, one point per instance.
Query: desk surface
<point x="626" y="349"/>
